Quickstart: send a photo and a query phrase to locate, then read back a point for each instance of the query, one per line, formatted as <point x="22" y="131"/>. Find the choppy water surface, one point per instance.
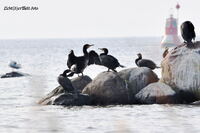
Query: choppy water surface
<point x="44" y="60"/>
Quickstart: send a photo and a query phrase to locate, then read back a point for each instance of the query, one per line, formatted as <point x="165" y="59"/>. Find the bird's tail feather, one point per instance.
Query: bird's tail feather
<point x="158" y="67"/>
<point x="121" y="66"/>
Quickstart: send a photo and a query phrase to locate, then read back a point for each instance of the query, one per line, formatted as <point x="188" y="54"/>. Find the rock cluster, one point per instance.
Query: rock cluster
<point x="180" y="83"/>
<point x="107" y="88"/>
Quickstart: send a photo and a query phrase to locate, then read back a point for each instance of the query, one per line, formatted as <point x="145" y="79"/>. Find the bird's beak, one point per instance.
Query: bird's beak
<point x="138" y="55"/>
<point x="100" y="49"/>
<point x="91" y="45"/>
<point x="70" y="51"/>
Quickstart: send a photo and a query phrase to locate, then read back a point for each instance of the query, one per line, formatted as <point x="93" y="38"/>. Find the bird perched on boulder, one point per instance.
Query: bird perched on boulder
<point x="65" y="82"/>
<point x="14" y="65"/>
<point x="188" y="33"/>
<point x="77" y="64"/>
<point x="93" y="58"/>
<point x="145" y="62"/>
<point x="108" y="60"/>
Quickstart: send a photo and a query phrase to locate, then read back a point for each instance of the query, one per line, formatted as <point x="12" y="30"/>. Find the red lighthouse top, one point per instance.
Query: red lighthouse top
<point x="171" y="26"/>
<point x="177" y="6"/>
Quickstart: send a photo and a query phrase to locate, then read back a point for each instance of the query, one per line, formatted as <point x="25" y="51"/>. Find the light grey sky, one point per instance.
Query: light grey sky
<point x="92" y="18"/>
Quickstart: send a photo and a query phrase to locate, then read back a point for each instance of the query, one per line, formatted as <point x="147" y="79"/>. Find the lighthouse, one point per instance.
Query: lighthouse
<point x="171" y="38"/>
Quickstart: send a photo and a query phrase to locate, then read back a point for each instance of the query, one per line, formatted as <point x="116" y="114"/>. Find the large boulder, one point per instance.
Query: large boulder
<point x="137" y="78"/>
<point x="157" y="93"/>
<point x="78" y="83"/>
<point x="181" y="71"/>
<point x="107" y="88"/>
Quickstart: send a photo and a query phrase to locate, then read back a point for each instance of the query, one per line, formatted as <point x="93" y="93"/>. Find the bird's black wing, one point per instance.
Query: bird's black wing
<point x="93" y="57"/>
<point x="109" y="60"/>
<point x="71" y="60"/>
<point x="146" y="63"/>
<point x="187" y="31"/>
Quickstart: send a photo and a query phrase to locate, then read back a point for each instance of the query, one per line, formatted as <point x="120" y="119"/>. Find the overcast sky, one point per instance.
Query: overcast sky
<point x="92" y="18"/>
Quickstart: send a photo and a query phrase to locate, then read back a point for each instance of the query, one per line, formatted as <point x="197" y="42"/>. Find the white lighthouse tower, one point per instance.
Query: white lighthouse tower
<point x="171" y="38"/>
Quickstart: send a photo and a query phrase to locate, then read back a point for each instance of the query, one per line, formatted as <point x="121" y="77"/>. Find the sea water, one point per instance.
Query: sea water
<point x="45" y="59"/>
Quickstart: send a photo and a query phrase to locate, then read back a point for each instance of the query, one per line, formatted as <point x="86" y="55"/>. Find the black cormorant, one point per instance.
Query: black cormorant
<point x="77" y="64"/>
<point x="108" y="60"/>
<point x="70" y="60"/>
<point x="145" y="62"/>
<point x="93" y="58"/>
<point x="65" y="82"/>
<point x="187" y="32"/>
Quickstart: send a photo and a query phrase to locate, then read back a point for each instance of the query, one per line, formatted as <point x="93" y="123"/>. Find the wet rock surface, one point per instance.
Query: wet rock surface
<point x="107" y="88"/>
<point x="137" y="78"/>
<point x="80" y="82"/>
<point x="157" y="93"/>
<point x="181" y="71"/>
<point x="47" y="99"/>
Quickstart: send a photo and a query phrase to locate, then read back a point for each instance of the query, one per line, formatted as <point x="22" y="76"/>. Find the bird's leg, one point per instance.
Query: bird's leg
<point x="65" y="72"/>
<point x="108" y="70"/>
<point x="71" y="74"/>
<point x="190" y="44"/>
<point x="114" y="70"/>
<point x="193" y="40"/>
<point x="75" y="93"/>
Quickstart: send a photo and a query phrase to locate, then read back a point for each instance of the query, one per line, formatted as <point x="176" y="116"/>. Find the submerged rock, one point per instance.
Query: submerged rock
<point x="157" y="93"/>
<point x="107" y="88"/>
<point x="13" y="74"/>
<point x="137" y="78"/>
<point x="181" y="71"/>
<point x="70" y="99"/>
